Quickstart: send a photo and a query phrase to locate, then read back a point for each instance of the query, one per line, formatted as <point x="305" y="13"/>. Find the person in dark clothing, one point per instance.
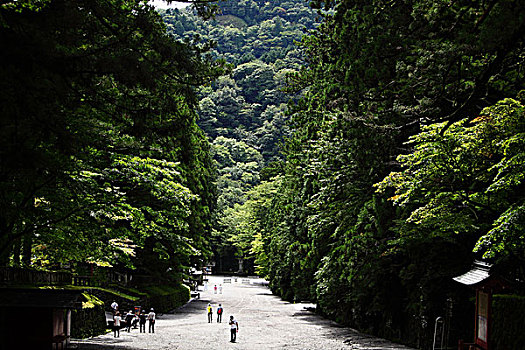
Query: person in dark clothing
<point x="209" y="308"/>
<point x="129" y="319"/>
<point x="219" y="314"/>
<point x="142" y="321"/>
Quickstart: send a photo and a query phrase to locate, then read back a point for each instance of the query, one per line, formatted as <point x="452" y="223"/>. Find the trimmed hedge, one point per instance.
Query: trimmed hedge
<point x="165" y="298"/>
<point x="508" y="326"/>
<point x="89" y="321"/>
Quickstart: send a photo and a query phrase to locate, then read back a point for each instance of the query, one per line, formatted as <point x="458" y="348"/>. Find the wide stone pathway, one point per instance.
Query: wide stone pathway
<point x="265" y="322"/>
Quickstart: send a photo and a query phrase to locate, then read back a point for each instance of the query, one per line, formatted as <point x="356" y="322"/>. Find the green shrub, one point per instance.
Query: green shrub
<point x="508" y="324"/>
<point x="90" y="320"/>
<point x="165" y="298"/>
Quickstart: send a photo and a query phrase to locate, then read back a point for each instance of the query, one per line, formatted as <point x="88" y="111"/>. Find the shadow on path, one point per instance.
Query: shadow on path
<point x="349" y="336"/>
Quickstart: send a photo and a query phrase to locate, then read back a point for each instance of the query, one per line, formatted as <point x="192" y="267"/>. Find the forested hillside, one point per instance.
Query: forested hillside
<point x="243" y="113"/>
<point x="404" y="162"/>
<point x="357" y="154"/>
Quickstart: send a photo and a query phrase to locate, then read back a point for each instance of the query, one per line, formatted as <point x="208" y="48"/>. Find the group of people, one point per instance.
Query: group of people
<point x="210" y="313"/>
<point x="215" y="288"/>
<point x="234" y="325"/>
<point x="132" y="319"/>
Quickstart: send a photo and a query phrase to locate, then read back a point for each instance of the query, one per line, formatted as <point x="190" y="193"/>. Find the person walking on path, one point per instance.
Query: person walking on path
<point x="116" y="325"/>
<point x="114" y="307"/>
<point x="151" y="319"/>
<point x="129" y="318"/>
<point x="219" y="314"/>
<point x="215" y="289"/>
<point x="220" y="288"/>
<point x="210" y="313"/>
<point x="142" y="321"/>
<point x="234" y="328"/>
<point x="135" y="321"/>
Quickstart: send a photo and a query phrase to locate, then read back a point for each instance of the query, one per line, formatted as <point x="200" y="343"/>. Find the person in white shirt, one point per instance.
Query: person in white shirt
<point x="234" y="328"/>
<point x="151" y="320"/>
<point x="116" y="325"/>
<point x="220" y="288"/>
<point x="114" y="307"/>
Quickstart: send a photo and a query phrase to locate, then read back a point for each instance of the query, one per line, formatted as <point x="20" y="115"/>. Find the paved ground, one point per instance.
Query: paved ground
<point x="265" y="322"/>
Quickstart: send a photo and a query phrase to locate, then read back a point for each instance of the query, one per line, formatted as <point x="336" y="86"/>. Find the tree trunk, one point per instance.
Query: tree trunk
<point x="5" y="245"/>
<point x="27" y="245"/>
<point x="16" y="253"/>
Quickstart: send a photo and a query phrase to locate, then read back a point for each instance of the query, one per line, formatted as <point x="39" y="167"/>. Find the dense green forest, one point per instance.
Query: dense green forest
<point x="357" y="154"/>
<point x="244" y="112"/>
<point x="101" y="159"/>
<point x="403" y="155"/>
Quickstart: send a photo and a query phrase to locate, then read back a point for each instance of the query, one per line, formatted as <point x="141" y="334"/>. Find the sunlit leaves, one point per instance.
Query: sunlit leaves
<point x="458" y="181"/>
<point x="507" y="237"/>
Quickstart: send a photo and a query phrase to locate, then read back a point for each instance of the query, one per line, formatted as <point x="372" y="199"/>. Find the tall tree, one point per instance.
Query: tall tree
<point x="467" y="181"/>
<point x="377" y="73"/>
<point x="99" y="139"/>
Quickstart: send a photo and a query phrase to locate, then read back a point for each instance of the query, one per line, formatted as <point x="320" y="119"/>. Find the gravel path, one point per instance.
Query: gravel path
<point x="265" y="322"/>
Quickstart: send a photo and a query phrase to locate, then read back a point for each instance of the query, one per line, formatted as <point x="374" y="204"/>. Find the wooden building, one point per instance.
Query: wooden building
<point x="485" y="285"/>
<point x="37" y="318"/>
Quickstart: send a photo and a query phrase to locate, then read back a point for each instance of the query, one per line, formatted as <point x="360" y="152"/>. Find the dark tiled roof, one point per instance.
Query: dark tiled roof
<point x="41" y="298"/>
<point x="479" y="272"/>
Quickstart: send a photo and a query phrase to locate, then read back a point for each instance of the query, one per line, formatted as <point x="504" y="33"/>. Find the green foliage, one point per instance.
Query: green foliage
<point x="239" y="166"/>
<point x="244" y="224"/>
<point x="508" y="322"/>
<point x="245" y="111"/>
<point x="166" y="298"/>
<point x="258" y="38"/>
<point x="467" y="180"/>
<point x="378" y="74"/>
<point x="91" y="302"/>
<point x="89" y="321"/>
<point x="100" y="152"/>
<point x="420" y="59"/>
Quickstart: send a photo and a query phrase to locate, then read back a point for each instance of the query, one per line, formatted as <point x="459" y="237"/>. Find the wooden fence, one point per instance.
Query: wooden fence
<point x="18" y="276"/>
<point x="104" y="279"/>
